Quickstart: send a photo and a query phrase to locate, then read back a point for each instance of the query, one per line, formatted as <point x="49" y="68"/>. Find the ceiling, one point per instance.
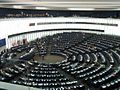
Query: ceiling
<point x="62" y="4"/>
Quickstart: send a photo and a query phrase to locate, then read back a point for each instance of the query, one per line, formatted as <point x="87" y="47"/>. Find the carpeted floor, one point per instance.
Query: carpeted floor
<point x="49" y="58"/>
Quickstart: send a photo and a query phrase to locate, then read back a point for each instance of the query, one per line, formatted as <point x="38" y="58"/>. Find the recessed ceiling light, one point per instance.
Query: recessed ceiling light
<point x="41" y="8"/>
<point x="117" y="9"/>
<point x="17" y="6"/>
<point x="81" y="9"/>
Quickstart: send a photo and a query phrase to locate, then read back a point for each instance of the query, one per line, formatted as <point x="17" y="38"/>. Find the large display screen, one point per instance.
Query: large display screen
<point x="2" y="42"/>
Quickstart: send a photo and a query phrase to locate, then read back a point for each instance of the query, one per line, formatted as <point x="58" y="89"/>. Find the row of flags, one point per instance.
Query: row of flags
<point x="19" y="42"/>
